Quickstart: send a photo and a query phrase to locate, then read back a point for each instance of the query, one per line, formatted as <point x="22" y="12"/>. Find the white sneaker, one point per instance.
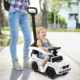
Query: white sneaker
<point x="26" y="62"/>
<point x="41" y="69"/>
<point x="16" y="65"/>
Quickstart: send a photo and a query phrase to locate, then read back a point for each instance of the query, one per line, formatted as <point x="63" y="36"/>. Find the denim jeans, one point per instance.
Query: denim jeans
<point x="16" y="19"/>
<point x="42" y="56"/>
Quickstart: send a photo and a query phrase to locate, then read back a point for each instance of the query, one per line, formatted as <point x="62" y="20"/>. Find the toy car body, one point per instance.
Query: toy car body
<point x="55" y="66"/>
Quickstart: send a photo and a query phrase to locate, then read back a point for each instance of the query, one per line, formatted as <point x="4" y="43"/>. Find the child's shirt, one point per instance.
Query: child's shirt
<point x="44" y="43"/>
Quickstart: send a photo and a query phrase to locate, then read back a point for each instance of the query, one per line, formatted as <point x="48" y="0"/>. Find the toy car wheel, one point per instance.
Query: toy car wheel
<point x="34" y="66"/>
<point x="64" y="73"/>
<point x="51" y="73"/>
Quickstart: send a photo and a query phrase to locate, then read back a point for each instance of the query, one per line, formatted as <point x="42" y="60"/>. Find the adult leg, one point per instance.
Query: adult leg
<point x="13" y="24"/>
<point x="25" y="27"/>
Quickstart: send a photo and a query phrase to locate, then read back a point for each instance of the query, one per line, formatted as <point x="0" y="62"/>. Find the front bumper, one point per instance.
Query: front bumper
<point x="64" y="71"/>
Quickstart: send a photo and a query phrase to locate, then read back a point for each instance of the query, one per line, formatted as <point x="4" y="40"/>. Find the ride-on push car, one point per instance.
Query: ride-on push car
<point x="56" y="65"/>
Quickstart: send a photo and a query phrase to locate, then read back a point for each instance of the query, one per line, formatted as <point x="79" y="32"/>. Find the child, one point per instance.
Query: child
<point x="44" y="44"/>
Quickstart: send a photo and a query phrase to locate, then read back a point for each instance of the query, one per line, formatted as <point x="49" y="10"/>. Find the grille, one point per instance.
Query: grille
<point x="64" y="67"/>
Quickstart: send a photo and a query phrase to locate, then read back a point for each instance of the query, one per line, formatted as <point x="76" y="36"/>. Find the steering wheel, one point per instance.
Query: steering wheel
<point x="54" y="49"/>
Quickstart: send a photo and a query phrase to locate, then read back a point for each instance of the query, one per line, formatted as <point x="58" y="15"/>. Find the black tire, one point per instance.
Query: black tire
<point x="65" y="73"/>
<point x="51" y="73"/>
<point x="34" y="66"/>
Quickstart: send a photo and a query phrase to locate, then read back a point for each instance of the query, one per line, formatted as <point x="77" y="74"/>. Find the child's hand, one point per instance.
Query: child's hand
<point x="46" y="49"/>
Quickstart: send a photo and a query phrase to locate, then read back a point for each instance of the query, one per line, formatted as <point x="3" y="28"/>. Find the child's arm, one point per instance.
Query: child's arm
<point x="51" y="45"/>
<point x="39" y="44"/>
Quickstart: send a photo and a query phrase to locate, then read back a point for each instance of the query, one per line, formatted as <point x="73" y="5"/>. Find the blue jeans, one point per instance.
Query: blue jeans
<point x="41" y="55"/>
<point x="16" y="19"/>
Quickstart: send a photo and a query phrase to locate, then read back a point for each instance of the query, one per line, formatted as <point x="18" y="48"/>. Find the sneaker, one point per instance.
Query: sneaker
<point x="16" y="65"/>
<point x="41" y="69"/>
<point x="26" y="62"/>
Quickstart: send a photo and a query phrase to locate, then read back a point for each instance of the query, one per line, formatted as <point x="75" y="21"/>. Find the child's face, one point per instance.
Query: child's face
<point x="42" y="33"/>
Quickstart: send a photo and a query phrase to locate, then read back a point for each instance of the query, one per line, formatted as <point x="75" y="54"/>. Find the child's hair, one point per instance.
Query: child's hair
<point x="38" y="31"/>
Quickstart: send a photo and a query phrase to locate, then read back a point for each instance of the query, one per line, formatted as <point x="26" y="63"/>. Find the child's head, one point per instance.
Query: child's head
<point x="41" y="32"/>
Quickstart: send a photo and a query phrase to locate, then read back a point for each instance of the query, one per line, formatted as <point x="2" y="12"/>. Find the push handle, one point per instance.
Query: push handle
<point x="33" y="21"/>
<point x="32" y="8"/>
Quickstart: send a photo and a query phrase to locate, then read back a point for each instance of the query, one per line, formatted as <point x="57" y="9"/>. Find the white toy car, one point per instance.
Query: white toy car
<point x="55" y="66"/>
